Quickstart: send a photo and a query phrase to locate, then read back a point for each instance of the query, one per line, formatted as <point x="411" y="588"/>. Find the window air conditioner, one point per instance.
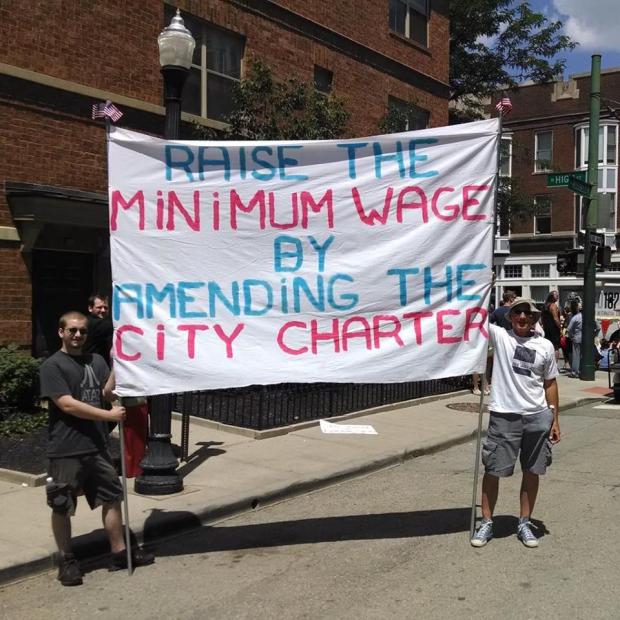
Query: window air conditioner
<point x="502" y="246"/>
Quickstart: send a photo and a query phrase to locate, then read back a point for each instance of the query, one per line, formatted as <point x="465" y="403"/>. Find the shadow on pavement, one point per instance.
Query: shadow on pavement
<point x="329" y="529"/>
<point x="505" y="526"/>
<point x="198" y="457"/>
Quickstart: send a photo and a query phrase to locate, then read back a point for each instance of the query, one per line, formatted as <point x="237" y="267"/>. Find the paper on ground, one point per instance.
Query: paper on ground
<point x="350" y="429"/>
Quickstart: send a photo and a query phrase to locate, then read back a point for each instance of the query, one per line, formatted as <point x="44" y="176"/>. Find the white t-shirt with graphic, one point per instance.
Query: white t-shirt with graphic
<point x="520" y="368"/>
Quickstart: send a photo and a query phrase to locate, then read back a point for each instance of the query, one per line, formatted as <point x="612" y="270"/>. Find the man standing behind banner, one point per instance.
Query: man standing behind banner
<point x="100" y="327"/>
<point x="79" y="461"/>
<point x="523" y="416"/>
<point x="499" y="315"/>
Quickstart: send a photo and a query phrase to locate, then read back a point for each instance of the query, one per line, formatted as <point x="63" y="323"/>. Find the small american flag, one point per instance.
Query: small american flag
<point x="504" y="105"/>
<point x="106" y="110"/>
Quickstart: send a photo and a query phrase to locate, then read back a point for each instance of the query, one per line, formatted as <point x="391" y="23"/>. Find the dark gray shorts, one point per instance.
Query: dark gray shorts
<point x="94" y="474"/>
<point x="511" y="435"/>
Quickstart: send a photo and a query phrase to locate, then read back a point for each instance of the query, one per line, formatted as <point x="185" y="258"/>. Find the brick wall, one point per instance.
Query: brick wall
<point x="109" y="45"/>
<point x="112" y="46"/>
<point x="15" y="297"/>
<point x="47" y="149"/>
<point x="534" y="111"/>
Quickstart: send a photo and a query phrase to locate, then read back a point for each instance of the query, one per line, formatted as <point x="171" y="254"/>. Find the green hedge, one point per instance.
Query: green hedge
<point x="19" y="379"/>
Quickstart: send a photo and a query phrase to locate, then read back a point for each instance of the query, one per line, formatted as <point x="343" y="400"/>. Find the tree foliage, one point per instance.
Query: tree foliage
<point x="398" y="119"/>
<point x="495" y="44"/>
<point x="267" y="109"/>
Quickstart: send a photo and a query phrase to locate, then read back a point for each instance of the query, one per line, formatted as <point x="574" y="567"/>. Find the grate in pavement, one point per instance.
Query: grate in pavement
<point x="467" y="407"/>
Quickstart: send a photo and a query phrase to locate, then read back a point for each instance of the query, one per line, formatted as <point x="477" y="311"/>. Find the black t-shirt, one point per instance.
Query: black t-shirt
<point x="82" y="377"/>
<point x="99" y="339"/>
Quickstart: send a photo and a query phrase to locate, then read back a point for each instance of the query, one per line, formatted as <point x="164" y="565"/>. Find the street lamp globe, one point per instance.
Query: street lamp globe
<point x="176" y="44"/>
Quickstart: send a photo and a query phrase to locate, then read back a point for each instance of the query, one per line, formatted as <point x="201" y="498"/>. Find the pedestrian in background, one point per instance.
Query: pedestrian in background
<point x="574" y="332"/>
<point x="551" y="321"/>
<point x="498" y="316"/>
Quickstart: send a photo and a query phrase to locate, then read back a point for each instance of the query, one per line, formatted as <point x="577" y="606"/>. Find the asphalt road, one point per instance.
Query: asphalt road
<point x="394" y="544"/>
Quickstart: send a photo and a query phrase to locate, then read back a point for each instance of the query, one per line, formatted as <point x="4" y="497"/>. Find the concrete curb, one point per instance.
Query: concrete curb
<point x="90" y="548"/>
<point x="20" y="477"/>
<point x="293" y="428"/>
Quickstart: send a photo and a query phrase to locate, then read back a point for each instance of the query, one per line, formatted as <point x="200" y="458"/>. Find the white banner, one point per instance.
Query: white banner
<point x="238" y="263"/>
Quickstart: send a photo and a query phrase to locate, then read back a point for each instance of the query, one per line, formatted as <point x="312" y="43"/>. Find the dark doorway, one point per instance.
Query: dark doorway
<point x="62" y="281"/>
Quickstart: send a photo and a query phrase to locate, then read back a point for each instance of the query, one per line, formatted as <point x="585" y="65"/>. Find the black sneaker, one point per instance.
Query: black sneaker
<point x="69" y="572"/>
<point x="118" y="561"/>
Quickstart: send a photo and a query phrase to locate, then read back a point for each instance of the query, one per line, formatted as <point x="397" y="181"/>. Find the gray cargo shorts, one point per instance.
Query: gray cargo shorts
<point x="513" y="434"/>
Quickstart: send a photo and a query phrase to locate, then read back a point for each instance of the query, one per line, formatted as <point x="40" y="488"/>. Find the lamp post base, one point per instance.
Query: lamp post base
<point x="158" y="484"/>
<point x="159" y="465"/>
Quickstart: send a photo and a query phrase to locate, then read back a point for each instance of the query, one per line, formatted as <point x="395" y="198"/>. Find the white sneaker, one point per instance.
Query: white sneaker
<point x="483" y="534"/>
<point x="525" y="534"/>
<point x="476" y="392"/>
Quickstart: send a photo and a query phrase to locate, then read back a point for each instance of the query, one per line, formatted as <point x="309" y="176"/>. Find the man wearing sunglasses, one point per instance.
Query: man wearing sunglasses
<point x="74" y="383"/>
<point x="523" y="417"/>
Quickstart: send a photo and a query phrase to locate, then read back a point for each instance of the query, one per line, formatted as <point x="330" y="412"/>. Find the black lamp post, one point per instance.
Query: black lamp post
<point x="176" y="47"/>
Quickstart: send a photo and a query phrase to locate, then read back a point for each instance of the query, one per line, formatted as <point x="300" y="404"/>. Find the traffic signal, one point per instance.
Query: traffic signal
<point x="569" y="262"/>
<point x="603" y="256"/>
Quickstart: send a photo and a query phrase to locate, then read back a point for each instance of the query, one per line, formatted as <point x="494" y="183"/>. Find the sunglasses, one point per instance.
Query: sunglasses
<point x="520" y="312"/>
<point x="75" y="330"/>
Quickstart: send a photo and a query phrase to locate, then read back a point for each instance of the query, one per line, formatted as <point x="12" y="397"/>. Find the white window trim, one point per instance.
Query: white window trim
<point x="508" y="140"/>
<point x="580" y="158"/>
<point x="533" y="277"/>
<point x="603" y="169"/>
<point x="536" y="159"/>
<point x="512" y="277"/>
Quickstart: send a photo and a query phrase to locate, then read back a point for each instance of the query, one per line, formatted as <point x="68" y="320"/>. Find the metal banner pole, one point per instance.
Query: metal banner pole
<point x="474" y="495"/>
<point x="125" y="505"/>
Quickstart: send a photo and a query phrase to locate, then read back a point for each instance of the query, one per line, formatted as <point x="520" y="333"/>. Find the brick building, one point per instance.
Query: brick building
<point x="547" y="132"/>
<point x="58" y="57"/>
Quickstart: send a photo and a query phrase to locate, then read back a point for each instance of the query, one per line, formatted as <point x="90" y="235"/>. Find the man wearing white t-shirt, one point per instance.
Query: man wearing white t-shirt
<point x="523" y="416"/>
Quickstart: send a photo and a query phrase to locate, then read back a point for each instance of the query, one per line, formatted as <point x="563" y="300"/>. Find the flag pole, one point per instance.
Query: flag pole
<point x="474" y="495"/>
<point x="98" y="112"/>
<point x="125" y="502"/>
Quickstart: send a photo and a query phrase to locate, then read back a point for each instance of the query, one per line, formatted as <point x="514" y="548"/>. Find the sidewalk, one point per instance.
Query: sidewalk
<point x="228" y="472"/>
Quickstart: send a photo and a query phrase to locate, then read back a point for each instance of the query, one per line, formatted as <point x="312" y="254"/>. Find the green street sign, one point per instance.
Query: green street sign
<point x="561" y="179"/>
<point x="579" y="187"/>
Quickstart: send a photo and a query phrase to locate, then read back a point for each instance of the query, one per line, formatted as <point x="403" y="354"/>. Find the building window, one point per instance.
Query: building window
<point x="539" y="293"/>
<point x="607" y="145"/>
<point x="215" y="70"/>
<point x="323" y="79"/>
<point x="607" y="177"/>
<point x="409" y="18"/>
<point x="606" y="212"/>
<point x="539" y="271"/>
<point x="543" y="149"/>
<point x="505" y="167"/>
<point x="410" y="117"/>
<point x="513" y="271"/>
<point x="542" y="215"/>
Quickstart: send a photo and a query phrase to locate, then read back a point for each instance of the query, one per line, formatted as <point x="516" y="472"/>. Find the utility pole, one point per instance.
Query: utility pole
<point x="591" y="203"/>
